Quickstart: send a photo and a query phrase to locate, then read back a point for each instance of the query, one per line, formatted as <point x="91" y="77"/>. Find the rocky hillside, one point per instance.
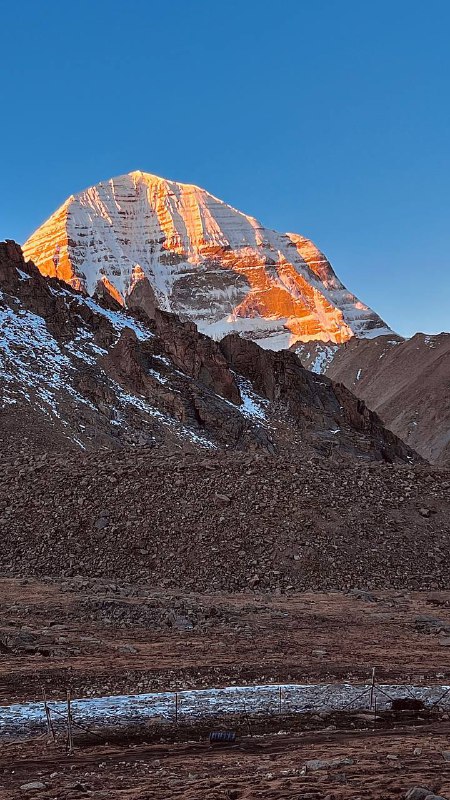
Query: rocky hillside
<point x="407" y="382"/>
<point x="80" y="372"/>
<point x="205" y="261"/>
<point x="225" y="521"/>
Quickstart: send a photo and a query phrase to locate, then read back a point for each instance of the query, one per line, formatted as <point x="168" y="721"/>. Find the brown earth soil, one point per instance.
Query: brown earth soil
<point x="98" y="638"/>
<point x="358" y="760"/>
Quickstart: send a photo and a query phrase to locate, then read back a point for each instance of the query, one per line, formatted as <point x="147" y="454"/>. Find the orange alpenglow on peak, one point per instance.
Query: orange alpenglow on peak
<point x="205" y="260"/>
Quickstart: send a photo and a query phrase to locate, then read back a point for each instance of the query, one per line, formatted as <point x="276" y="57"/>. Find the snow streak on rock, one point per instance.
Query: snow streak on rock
<point x="85" y="369"/>
<point x="32" y="360"/>
<point x="39" y="369"/>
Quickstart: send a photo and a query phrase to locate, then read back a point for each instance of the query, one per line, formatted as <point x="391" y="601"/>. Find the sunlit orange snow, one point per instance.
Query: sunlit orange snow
<point x="187" y="242"/>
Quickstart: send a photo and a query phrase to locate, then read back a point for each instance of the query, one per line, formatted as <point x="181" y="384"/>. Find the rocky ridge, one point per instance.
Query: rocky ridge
<point x="81" y="372"/>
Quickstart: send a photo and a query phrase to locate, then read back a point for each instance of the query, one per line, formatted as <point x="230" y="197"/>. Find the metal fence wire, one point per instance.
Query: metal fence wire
<point x="201" y="704"/>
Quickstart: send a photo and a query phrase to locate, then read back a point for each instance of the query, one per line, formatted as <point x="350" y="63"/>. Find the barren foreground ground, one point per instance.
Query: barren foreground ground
<point x="98" y="637"/>
<point x="374" y="765"/>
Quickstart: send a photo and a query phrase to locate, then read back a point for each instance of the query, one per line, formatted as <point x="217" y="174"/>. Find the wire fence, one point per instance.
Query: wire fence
<point x="201" y="704"/>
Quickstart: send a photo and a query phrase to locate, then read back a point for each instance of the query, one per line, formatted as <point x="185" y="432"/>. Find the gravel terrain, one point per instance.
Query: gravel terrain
<point x="225" y="522"/>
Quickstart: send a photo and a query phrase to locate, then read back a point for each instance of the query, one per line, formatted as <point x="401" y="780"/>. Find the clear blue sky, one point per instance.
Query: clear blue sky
<point x="325" y="117"/>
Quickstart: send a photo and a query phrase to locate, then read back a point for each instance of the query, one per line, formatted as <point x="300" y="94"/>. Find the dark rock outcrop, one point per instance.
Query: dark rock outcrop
<point x="91" y="373"/>
<point x="128" y="363"/>
<point x="193" y="353"/>
<point x="142" y="298"/>
<point x="196" y="355"/>
<point x="309" y="398"/>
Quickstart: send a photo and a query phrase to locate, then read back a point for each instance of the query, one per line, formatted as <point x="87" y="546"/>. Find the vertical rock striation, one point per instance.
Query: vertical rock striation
<point x="205" y="261"/>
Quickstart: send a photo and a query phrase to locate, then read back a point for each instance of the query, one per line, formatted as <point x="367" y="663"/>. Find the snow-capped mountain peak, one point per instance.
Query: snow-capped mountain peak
<point x="205" y="260"/>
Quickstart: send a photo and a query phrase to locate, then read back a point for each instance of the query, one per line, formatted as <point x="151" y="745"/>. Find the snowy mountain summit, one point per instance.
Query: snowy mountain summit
<point x="206" y="262"/>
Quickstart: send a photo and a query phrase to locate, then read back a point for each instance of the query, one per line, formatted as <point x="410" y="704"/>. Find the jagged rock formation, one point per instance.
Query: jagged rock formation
<point x="280" y="377"/>
<point x="407" y="382"/>
<point x="205" y="261"/>
<point x="75" y="372"/>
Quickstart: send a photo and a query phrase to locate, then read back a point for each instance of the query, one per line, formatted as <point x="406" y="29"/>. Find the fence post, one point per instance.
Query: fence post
<point x="246" y="715"/>
<point x="50" y="729"/>
<point x="372" y="688"/>
<point x="69" y="725"/>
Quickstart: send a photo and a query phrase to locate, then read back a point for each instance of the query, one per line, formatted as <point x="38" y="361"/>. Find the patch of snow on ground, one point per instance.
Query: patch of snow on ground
<point x="199" y="703"/>
<point x="164" y="360"/>
<point x="358" y="374"/>
<point x="266" y="332"/>
<point x="31" y="359"/>
<point x="156" y="375"/>
<point x="118" y="319"/>
<point x="28" y="352"/>
<point x="84" y="348"/>
<point x="141" y="404"/>
<point x="363" y="333"/>
<point x="23" y="275"/>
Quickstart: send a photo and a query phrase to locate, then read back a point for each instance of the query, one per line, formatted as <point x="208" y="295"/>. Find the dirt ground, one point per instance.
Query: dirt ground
<point x="98" y="637"/>
<point x="366" y="763"/>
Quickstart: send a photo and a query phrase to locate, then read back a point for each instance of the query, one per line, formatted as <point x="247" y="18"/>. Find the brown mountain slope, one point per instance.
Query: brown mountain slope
<point x="407" y="383"/>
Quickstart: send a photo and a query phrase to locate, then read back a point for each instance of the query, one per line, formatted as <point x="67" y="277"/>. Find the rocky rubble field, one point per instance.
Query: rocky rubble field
<point x="227" y="522"/>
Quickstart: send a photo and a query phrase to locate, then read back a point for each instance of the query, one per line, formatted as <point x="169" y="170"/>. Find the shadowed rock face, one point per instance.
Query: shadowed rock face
<point x="204" y="260"/>
<point x="78" y="372"/>
<point x="282" y="379"/>
<point x="142" y="298"/>
<point x="407" y="382"/>
<point x="194" y="354"/>
<point x="11" y="259"/>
